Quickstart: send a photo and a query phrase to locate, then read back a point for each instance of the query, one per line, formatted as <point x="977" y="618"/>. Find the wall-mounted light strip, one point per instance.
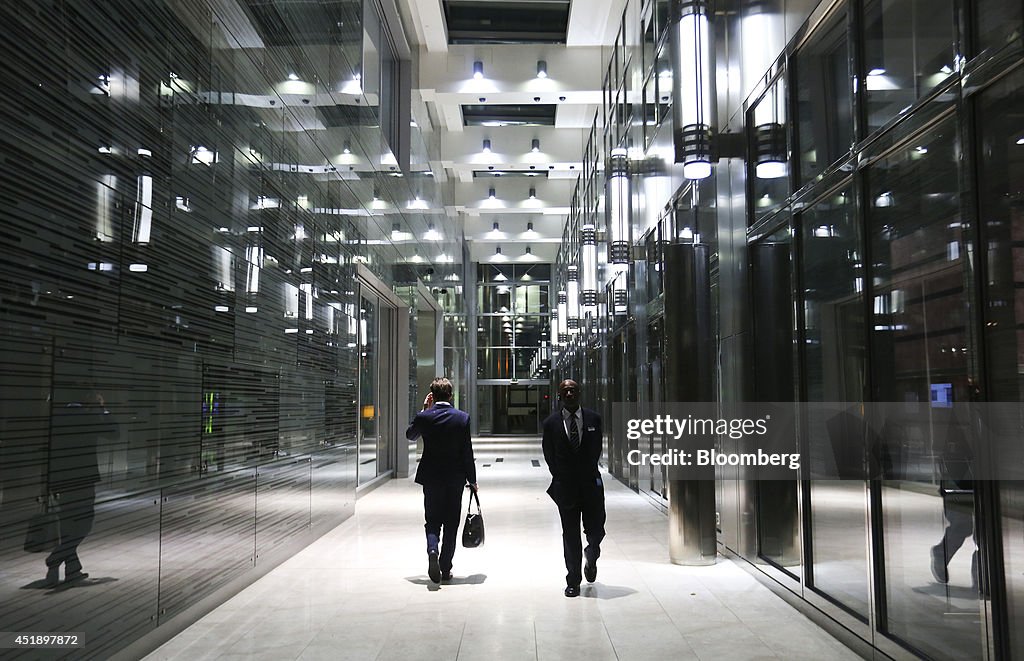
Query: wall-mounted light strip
<point x="618" y="206"/>
<point x="691" y="87"/>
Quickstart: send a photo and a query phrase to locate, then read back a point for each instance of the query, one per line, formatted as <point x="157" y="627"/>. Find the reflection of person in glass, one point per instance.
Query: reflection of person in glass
<point x="956" y="486"/>
<point x="72" y="477"/>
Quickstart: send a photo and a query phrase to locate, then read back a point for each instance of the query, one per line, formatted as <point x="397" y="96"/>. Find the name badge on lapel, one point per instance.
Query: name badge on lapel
<point x="591" y="428"/>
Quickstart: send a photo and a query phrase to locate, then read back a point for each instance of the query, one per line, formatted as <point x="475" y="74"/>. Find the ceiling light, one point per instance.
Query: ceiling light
<point x="478" y="70"/>
<point x="490" y="193"/>
<point x="487" y="146"/>
<point x="347" y="149"/>
<point x="533" y="196"/>
<point x="529" y="227"/>
<point x="876" y="72"/>
<point x="535" y="145"/>
<point x="542" y="69"/>
<point x="495" y="227"/>
<point x="529" y="251"/>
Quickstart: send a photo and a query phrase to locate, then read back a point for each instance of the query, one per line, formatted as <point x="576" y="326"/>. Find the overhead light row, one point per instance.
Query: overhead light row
<point x="542" y="69"/>
<point x="492" y="193"/>
<point x="486" y="145"/>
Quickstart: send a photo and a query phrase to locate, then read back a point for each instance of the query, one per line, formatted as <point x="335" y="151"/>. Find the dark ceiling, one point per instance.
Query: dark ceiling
<point x="506" y="21"/>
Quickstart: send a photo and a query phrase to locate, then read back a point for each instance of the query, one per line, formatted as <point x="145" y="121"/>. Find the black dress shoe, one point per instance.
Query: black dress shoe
<point x="446" y="576"/>
<point x="75" y="576"/>
<point x="433" y="568"/>
<point x="52" y="577"/>
<point x="590" y="571"/>
<point x="572" y="591"/>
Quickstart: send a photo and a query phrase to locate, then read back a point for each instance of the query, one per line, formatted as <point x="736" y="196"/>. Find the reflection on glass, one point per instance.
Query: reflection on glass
<point x="908" y="51"/>
<point x="368" y="413"/>
<point x="511" y="409"/>
<point x="652" y="478"/>
<point x="769" y="175"/>
<point x="778" y="531"/>
<point x="920" y="346"/>
<point x="1001" y="169"/>
<point x="996" y="23"/>
<point x="824" y="107"/>
<point x="831" y="272"/>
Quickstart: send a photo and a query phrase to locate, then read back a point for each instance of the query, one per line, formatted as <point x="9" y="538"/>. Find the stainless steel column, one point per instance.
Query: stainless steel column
<point x="689" y="377"/>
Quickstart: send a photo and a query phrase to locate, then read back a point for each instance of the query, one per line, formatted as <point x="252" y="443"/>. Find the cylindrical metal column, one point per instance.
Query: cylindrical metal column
<point x="689" y="377"/>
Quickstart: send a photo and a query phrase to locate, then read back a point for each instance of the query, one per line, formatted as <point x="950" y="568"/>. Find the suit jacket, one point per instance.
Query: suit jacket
<point x="447" y="447"/>
<point x="74" y="436"/>
<point x="574" y="473"/>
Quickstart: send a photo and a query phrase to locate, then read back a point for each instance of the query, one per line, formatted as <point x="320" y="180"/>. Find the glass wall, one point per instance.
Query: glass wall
<point x="189" y="195"/>
<point x="823" y="97"/>
<point x="879" y="185"/>
<point x="513" y="334"/>
<point x="999" y="150"/>
<point x="920" y="345"/>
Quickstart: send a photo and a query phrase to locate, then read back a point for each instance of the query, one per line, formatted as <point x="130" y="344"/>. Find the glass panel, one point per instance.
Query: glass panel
<point x="997" y="22"/>
<point x="494" y="298"/>
<point x="778" y="530"/>
<point x="1000" y="171"/>
<point x="833" y="344"/>
<point x="908" y="50"/>
<point x="652" y="478"/>
<point x="511" y="409"/>
<point x="767" y="128"/>
<point x="920" y="342"/>
<point x="663" y="77"/>
<point x="823" y="98"/>
<point x="531" y="299"/>
<point x="368" y="358"/>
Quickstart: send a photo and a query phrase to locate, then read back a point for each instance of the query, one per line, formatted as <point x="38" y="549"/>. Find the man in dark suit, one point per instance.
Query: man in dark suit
<point x="572" y="448"/>
<point x="446" y="467"/>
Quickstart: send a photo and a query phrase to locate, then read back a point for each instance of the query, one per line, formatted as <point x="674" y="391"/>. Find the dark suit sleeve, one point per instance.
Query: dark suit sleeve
<point x="469" y="462"/>
<point x="596" y="447"/>
<point x="414" y="431"/>
<point x="548" y="445"/>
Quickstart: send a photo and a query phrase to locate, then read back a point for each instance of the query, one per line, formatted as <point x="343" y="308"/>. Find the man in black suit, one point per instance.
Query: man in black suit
<point x="572" y="448"/>
<point x="446" y="467"/>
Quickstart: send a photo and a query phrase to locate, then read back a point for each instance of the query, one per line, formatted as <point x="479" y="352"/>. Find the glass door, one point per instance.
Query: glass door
<point x="368" y="381"/>
<point x="833" y="354"/>
<point x="778" y="530"/>
<point x="921" y="344"/>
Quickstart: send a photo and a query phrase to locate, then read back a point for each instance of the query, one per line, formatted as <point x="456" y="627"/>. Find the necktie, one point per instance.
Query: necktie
<point x="574" y="432"/>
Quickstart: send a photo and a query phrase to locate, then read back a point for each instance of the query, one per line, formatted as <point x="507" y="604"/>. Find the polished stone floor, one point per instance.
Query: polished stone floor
<point x="361" y="591"/>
